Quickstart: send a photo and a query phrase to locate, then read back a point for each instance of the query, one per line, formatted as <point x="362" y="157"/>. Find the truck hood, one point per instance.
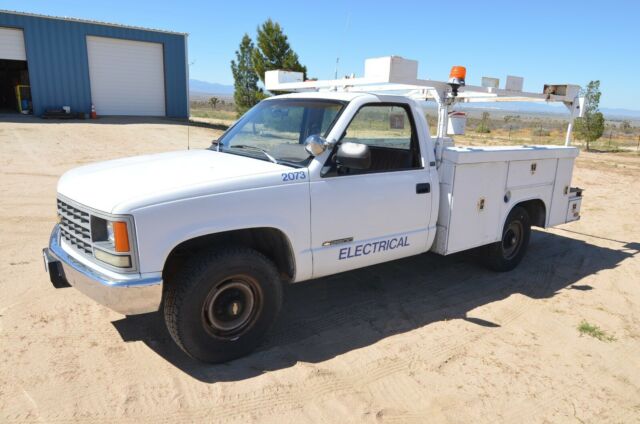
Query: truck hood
<point x="116" y="185"/>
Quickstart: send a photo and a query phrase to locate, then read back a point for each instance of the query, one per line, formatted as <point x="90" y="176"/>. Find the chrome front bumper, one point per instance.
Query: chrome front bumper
<point x="128" y="295"/>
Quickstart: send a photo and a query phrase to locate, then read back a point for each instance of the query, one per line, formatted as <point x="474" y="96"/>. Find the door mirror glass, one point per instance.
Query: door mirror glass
<point x="315" y="145"/>
<point x="354" y="156"/>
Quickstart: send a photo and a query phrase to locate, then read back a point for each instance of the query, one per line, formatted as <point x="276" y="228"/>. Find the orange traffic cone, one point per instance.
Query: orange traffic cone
<point x="94" y="115"/>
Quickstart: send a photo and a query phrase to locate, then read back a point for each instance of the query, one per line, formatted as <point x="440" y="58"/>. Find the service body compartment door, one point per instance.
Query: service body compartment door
<point x="476" y="203"/>
<point x="561" y="192"/>
<point x="529" y="173"/>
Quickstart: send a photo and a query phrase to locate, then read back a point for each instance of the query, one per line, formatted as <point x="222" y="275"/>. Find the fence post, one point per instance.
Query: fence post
<point x="610" y="134"/>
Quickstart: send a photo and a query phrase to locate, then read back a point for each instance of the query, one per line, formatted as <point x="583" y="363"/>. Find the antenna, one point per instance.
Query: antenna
<point x="344" y="38"/>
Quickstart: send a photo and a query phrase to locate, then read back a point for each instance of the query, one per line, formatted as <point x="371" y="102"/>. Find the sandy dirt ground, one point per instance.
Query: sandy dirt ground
<point x="424" y="339"/>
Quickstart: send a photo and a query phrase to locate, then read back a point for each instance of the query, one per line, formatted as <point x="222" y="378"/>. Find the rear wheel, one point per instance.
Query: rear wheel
<point x="506" y="254"/>
<point x="221" y="306"/>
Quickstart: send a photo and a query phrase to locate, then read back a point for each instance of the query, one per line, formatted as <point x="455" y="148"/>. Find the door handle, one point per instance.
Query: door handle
<point x="422" y="188"/>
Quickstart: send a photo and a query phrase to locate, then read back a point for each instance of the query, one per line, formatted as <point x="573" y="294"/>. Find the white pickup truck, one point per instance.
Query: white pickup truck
<point x="304" y="185"/>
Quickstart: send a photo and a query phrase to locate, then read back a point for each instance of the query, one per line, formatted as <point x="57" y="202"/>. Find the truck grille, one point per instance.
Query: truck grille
<point x="75" y="227"/>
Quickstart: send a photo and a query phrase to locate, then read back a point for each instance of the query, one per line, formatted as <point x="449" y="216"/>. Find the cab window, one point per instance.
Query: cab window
<point x="389" y="131"/>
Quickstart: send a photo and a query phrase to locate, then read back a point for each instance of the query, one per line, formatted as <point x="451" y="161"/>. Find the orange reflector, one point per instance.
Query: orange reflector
<point x="459" y="72"/>
<point x="121" y="236"/>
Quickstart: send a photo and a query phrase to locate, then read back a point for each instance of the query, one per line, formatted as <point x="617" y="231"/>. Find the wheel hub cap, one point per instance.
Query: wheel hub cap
<point x="512" y="239"/>
<point x="230" y="307"/>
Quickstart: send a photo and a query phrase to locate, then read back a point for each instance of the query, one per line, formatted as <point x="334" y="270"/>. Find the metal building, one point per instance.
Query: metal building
<point x="50" y="62"/>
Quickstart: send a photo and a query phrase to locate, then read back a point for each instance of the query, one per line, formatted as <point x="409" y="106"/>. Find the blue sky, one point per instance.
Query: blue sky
<point x="543" y="41"/>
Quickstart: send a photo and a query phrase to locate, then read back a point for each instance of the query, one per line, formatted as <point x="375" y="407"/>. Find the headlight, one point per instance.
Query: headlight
<point x="110" y="236"/>
<point x="118" y="235"/>
<point x="111" y="241"/>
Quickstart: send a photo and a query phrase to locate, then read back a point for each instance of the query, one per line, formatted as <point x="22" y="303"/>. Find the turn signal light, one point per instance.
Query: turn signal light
<point x="121" y="236"/>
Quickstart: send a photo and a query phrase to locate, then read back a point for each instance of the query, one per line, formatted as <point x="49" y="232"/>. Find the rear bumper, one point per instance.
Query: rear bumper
<point x="126" y="294"/>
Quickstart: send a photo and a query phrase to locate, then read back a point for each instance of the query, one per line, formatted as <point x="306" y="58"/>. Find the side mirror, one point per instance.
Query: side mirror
<point x="354" y="156"/>
<point x="315" y="145"/>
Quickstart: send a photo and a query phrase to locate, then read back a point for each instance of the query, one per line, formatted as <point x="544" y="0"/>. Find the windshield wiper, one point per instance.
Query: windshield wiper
<point x="246" y="146"/>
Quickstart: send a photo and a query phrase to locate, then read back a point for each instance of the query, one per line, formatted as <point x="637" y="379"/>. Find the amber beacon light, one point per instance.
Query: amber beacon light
<point x="456" y="78"/>
<point x="457" y="75"/>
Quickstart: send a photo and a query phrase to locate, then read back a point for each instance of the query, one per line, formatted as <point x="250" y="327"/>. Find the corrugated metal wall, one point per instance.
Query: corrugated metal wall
<point x="59" y="68"/>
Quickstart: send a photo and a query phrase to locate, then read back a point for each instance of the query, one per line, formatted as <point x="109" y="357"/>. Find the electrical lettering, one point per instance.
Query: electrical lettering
<point x="370" y="248"/>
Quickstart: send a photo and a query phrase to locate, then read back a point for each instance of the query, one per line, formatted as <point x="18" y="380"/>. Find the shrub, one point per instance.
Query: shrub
<point x="540" y="132"/>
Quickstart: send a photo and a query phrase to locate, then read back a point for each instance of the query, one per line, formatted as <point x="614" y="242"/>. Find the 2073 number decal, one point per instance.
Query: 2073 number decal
<point x="293" y="176"/>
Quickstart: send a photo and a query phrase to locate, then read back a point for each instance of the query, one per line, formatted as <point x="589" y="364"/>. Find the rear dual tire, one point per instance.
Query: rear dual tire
<point x="222" y="304"/>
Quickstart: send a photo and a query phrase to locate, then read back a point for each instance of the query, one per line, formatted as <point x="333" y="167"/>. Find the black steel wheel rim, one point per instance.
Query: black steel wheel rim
<point x="231" y="307"/>
<point x="512" y="239"/>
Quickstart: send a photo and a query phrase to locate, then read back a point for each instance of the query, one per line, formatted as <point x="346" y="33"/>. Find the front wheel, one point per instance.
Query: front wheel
<point x="222" y="304"/>
<point x="506" y="254"/>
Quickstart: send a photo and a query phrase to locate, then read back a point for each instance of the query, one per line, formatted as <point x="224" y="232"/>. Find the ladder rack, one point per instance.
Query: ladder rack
<point x="396" y="75"/>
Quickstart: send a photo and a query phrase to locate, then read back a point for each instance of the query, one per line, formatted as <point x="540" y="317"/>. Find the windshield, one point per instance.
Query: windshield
<point x="276" y="129"/>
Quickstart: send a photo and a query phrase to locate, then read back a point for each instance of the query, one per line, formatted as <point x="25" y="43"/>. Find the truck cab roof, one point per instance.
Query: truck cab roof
<point x="343" y="96"/>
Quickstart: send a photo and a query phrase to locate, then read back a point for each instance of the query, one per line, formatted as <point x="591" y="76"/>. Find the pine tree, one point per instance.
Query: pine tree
<point x="591" y="126"/>
<point x="274" y="52"/>
<point x="246" y="91"/>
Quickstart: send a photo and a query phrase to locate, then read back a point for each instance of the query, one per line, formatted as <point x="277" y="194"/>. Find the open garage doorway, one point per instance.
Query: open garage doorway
<point x="15" y="93"/>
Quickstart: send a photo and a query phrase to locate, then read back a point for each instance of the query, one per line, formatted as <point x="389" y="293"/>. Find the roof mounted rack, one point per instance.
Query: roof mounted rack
<point x="396" y="75"/>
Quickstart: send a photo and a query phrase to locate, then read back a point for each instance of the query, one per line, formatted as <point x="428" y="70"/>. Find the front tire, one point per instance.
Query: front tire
<point x="506" y="254"/>
<point x="222" y="304"/>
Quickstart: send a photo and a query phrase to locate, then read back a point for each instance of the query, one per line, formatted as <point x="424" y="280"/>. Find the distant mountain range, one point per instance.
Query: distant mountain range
<point x="620" y="113"/>
<point x="551" y="109"/>
<point x="205" y="87"/>
<point x="201" y="88"/>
